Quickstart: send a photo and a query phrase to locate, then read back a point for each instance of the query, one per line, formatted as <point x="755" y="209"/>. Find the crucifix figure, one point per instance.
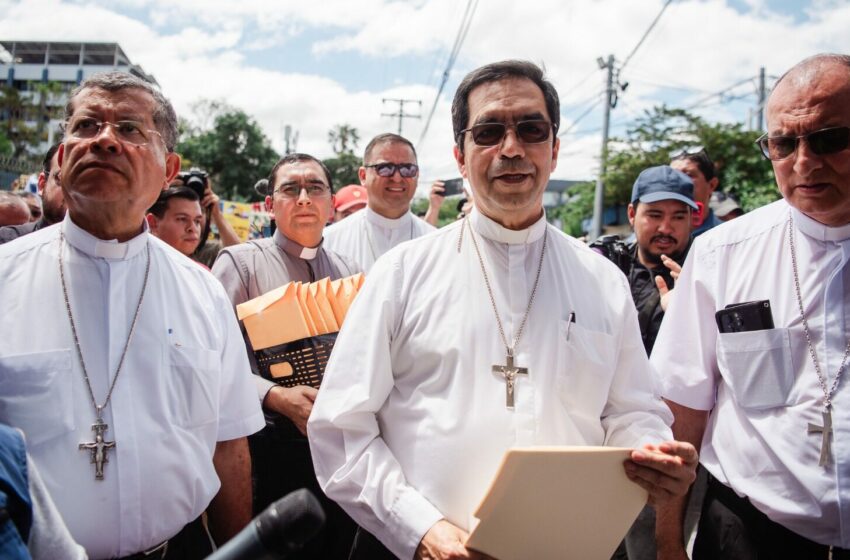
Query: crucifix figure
<point x="98" y="448"/>
<point x="509" y="371"/>
<point x="826" y="434"/>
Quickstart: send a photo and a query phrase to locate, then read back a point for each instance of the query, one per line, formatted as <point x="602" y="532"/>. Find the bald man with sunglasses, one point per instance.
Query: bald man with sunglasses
<point x="390" y="174"/>
<point x="762" y="385"/>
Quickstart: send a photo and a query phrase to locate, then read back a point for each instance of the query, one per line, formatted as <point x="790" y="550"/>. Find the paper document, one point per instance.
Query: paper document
<point x="557" y="503"/>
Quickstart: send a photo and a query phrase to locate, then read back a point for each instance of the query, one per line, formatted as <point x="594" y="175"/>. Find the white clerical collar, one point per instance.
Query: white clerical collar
<point x="387" y="223"/>
<point x="816" y="230"/>
<point x="496" y="232"/>
<point x="83" y="241"/>
<point x="294" y="248"/>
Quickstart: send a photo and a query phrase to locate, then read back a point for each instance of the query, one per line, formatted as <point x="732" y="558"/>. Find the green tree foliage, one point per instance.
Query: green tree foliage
<point x="23" y="117"/>
<point x="578" y="208"/>
<point x="742" y="170"/>
<point x="343" y="139"/>
<point x="233" y="149"/>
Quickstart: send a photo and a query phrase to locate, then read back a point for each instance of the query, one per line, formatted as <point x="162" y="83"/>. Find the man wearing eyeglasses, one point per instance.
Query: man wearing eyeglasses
<point x="125" y="367"/>
<point x="493" y="332"/>
<point x="390" y="174"/>
<point x="696" y="164"/>
<point x="753" y="350"/>
<point x="301" y="198"/>
<point x="52" y="203"/>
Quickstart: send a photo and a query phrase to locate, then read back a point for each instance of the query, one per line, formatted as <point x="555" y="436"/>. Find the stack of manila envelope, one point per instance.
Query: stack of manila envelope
<point x="298" y="310"/>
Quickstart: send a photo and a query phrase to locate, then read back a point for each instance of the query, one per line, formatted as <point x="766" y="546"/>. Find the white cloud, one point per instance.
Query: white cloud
<point x="204" y="48"/>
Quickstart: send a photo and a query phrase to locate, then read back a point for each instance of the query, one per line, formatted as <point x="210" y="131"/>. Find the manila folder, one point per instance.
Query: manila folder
<point x="557" y="503"/>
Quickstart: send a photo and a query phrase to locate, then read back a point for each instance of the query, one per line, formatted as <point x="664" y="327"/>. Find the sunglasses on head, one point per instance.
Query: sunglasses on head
<point x="406" y="170"/>
<point x="492" y="133"/>
<point x="690" y="151"/>
<point x="821" y="142"/>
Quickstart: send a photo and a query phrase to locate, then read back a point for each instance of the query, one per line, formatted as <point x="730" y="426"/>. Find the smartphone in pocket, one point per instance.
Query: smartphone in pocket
<point x="744" y="317"/>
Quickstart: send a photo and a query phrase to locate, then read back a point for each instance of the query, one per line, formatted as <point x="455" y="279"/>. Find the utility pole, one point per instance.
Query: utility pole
<point x="762" y="101"/>
<point x="401" y="114"/>
<point x="610" y="102"/>
<point x="290" y="140"/>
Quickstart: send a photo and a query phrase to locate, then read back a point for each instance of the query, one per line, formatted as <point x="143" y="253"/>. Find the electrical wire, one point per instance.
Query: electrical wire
<point x="646" y="34"/>
<point x="578" y="119"/>
<point x="465" y="23"/>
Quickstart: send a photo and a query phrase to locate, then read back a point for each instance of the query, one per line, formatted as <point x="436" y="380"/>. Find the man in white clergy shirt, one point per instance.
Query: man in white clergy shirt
<point x="493" y="332"/>
<point x="390" y="174"/>
<point x="121" y="359"/>
<point x="765" y="393"/>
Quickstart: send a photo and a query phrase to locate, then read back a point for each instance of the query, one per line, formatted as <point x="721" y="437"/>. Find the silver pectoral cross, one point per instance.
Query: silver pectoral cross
<point x="509" y="371"/>
<point x="98" y="448"/>
<point x="826" y="434"/>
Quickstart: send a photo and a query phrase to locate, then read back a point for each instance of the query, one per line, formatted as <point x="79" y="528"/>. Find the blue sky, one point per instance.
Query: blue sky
<point x="314" y="65"/>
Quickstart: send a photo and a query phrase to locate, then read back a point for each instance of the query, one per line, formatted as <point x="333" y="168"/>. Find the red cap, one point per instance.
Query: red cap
<point x="349" y="196"/>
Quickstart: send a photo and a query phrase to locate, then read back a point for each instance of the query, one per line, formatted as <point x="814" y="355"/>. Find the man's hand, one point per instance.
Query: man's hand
<point x="444" y="541"/>
<point x="663" y="289"/>
<point x="666" y="471"/>
<point x="435" y="200"/>
<point x="210" y="200"/>
<point x="295" y="403"/>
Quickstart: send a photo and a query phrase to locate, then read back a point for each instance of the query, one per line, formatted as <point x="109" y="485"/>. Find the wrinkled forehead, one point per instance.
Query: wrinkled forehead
<point x="308" y="172"/>
<point x="812" y="96"/>
<point x="127" y="103"/>
<point x="507" y="99"/>
<point x="392" y="152"/>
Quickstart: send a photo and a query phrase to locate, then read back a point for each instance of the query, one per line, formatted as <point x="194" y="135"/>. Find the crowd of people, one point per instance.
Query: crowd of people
<point x="135" y="422"/>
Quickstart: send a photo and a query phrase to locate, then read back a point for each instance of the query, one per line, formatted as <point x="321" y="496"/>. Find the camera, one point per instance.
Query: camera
<point x="613" y="249"/>
<point x="196" y="180"/>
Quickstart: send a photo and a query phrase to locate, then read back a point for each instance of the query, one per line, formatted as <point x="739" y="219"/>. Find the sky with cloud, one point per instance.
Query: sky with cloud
<point x="312" y="65"/>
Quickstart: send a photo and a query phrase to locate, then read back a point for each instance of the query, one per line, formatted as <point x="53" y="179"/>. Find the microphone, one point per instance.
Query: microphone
<point x="284" y="527"/>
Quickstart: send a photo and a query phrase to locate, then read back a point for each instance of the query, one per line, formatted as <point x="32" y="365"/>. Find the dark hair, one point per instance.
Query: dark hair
<point x="702" y="161"/>
<point x="164" y="117"/>
<point x="47" y="162"/>
<point x="290" y="159"/>
<point x="161" y="205"/>
<point x="495" y="72"/>
<point x="386" y="138"/>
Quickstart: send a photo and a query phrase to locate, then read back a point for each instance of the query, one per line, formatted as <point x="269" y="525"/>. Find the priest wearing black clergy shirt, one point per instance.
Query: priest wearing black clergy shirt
<point x="301" y="198"/>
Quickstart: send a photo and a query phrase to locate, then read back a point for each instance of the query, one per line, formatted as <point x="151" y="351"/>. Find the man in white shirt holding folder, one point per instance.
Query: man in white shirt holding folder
<point x="497" y="331"/>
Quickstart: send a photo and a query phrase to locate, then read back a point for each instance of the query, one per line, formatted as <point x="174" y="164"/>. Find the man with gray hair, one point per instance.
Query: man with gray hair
<point x="753" y="350"/>
<point x="13" y="209"/>
<point x="125" y="367"/>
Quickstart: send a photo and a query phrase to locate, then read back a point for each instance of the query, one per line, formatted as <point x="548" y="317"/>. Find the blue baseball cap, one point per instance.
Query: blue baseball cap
<point x="663" y="183"/>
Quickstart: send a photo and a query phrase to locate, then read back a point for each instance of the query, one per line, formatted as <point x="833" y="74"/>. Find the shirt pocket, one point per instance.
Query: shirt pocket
<point x="757" y="367"/>
<point x="585" y="366"/>
<point x="37" y="394"/>
<point x="193" y="385"/>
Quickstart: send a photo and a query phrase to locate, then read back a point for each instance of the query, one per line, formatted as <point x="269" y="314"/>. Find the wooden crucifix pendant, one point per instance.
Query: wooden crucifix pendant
<point x="826" y="435"/>
<point x="509" y="371"/>
<point x="98" y="448"/>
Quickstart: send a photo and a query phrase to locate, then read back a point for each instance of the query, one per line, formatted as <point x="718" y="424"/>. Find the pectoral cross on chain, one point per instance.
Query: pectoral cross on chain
<point x="826" y="434"/>
<point x="509" y="371"/>
<point x="98" y="448"/>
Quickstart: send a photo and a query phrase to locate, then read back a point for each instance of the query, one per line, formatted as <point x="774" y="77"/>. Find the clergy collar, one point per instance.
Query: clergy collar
<point x="497" y="232"/>
<point x="816" y="230"/>
<point x="83" y="241"/>
<point x="388" y="223"/>
<point x="295" y="249"/>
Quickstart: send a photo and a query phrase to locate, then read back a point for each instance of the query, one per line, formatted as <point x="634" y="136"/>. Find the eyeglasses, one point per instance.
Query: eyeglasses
<point x="529" y="132"/>
<point x="689" y="151"/>
<point x="406" y="170"/>
<point x="292" y="192"/>
<point x="821" y="142"/>
<point x="131" y="132"/>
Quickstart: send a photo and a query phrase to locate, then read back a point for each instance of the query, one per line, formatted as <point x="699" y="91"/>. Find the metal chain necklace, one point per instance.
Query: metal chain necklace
<point x="826" y="429"/>
<point x="509" y="371"/>
<point x="369" y="238"/>
<point x="99" y="448"/>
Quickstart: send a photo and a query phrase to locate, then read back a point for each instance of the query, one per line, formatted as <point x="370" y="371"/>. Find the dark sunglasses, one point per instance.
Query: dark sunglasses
<point x="529" y="132"/>
<point x="689" y="151"/>
<point x="821" y="142"/>
<point x="406" y="170"/>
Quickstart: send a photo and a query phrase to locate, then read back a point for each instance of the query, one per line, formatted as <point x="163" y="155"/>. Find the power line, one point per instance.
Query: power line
<point x="465" y="23"/>
<point x="565" y="131"/>
<point x="719" y="93"/>
<point x="645" y="35"/>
